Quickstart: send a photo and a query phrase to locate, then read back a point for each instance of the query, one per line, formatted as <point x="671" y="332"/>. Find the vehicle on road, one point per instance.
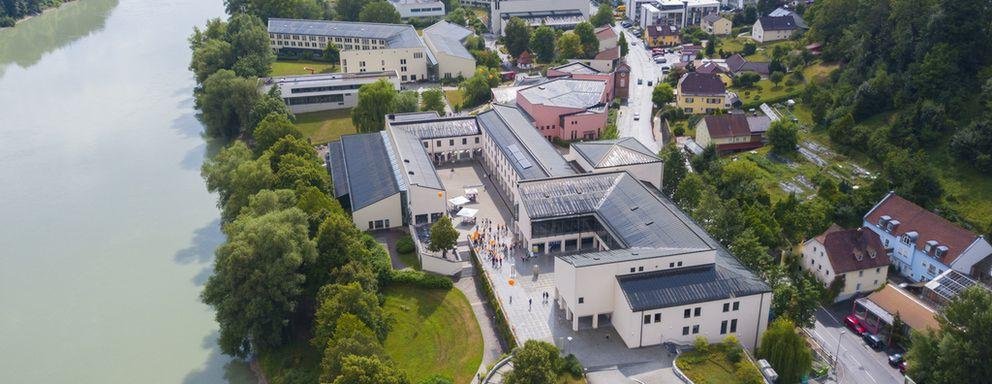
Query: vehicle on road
<point x="660" y="60"/>
<point x="903" y="366"/>
<point x="625" y="24"/>
<point x="874" y="341"/>
<point x="854" y="324"/>
<point x="637" y="115"/>
<point x="895" y="360"/>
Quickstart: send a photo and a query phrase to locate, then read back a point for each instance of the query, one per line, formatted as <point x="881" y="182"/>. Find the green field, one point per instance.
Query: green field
<point x="322" y="127"/>
<point x="455" y="96"/>
<point x="434" y="332"/>
<point x="298" y="67"/>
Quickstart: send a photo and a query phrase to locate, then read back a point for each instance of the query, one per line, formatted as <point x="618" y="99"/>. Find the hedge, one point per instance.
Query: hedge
<point x="405" y="245"/>
<point x="502" y="327"/>
<point x="420" y="279"/>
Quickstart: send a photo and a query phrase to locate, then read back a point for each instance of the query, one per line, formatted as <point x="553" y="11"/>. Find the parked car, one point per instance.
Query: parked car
<point x="854" y="324"/>
<point x="637" y="115"/>
<point x="660" y="60"/>
<point x="625" y="24"/>
<point x="895" y="360"/>
<point x="874" y="341"/>
<point x="903" y="367"/>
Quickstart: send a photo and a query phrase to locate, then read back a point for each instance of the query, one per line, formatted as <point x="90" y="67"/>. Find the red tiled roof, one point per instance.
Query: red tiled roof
<point x="929" y="225"/>
<point x="608" y="54"/>
<point x="721" y="126"/>
<point x="606" y="32"/>
<point x="853" y="249"/>
<point x="524" y="58"/>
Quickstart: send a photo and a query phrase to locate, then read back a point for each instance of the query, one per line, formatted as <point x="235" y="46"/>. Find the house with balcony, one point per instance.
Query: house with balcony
<point x="920" y="243"/>
<point x="856" y="256"/>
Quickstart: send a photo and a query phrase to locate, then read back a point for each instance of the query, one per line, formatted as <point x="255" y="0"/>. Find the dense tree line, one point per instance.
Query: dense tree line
<point x="916" y="77"/>
<point x="958" y="352"/>
<point x="12" y="10"/>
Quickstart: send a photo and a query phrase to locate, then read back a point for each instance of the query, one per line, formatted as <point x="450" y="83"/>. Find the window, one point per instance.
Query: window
<point x="361" y="63"/>
<point x="418" y="55"/>
<point x="427" y="145"/>
<point x="726" y="308"/>
<point x="875" y="283"/>
<point x="688" y="99"/>
<point x="695" y="329"/>
<point x="387" y="223"/>
<point x="403" y="69"/>
<point x="632" y="270"/>
<point x="733" y="325"/>
<point x="723" y="327"/>
<point x="737" y="305"/>
<point x="685" y="314"/>
<point x="451" y="142"/>
<point x="878" y="270"/>
<point x="671" y="265"/>
<point x="647" y="319"/>
<point x="582" y="300"/>
<point x="477" y="140"/>
<point x="861" y="273"/>
<point x="439" y="143"/>
<point x="698" y="311"/>
<point x="685" y="331"/>
<point x="657" y="317"/>
<point x="404" y="77"/>
<point x="679" y="264"/>
<point x="372" y="225"/>
<point x="464" y="141"/>
<point x="403" y="61"/>
<point x="640" y="269"/>
<point x="858" y="287"/>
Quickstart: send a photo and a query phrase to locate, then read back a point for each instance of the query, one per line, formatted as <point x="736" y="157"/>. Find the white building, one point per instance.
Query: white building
<point x="325" y="91"/>
<point x="775" y="28"/>
<point x="424" y="9"/>
<point x="561" y="14"/>
<point x="366" y="185"/>
<point x="624" y="154"/>
<point x="854" y="255"/>
<point x="365" y="47"/>
<point x="677" y="13"/>
<point x="447" y="42"/>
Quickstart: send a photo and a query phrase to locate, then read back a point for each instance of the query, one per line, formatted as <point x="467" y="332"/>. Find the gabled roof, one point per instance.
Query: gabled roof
<point x="575" y="68"/>
<point x="362" y="160"/>
<point x="448" y="38"/>
<point x="606" y="32"/>
<point x="615" y="153"/>
<point x="683" y="286"/>
<point x="566" y="93"/>
<point x="608" y="54"/>
<point x="928" y="225"/>
<point x="853" y="249"/>
<point x="712" y="18"/>
<point x="785" y="12"/>
<point x="778" y="23"/>
<point x="728" y="125"/>
<point x="738" y="63"/>
<point x="662" y="30"/>
<point x="529" y="153"/>
<point x="395" y="35"/>
<point x="693" y="83"/>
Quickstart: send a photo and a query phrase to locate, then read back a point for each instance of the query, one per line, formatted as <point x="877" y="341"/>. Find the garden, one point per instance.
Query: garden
<point x="723" y="363"/>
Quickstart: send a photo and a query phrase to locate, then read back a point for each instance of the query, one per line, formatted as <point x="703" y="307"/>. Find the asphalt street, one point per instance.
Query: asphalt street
<point x="858" y="363"/>
<point x="643" y="69"/>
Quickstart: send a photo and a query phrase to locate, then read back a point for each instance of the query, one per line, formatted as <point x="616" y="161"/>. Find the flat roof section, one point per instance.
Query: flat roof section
<point x="439" y="127"/>
<point x="566" y="93"/>
<point x="682" y="286"/>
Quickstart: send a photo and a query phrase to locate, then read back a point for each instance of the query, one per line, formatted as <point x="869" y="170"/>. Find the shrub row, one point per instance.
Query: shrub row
<point x="502" y="327"/>
<point x="419" y="279"/>
<point x="405" y="245"/>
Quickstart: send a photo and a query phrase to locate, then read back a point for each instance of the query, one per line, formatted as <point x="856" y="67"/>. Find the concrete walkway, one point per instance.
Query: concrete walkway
<point x="492" y="349"/>
<point x="388" y="238"/>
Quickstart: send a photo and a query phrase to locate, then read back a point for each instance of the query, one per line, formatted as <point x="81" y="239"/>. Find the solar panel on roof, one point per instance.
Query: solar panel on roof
<point x="521" y="158"/>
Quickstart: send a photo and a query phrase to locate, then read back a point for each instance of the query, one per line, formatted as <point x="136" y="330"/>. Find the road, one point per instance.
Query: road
<point x="643" y="68"/>
<point x="858" y="363"/>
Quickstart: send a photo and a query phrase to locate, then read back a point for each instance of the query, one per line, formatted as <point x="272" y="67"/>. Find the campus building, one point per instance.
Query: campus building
<point x="677" y="13"/>
<point x="325" y="91"/>
<point x="559" y="14"/>
<point x="423" y="9"/>
<point x="567" y="108"/>
<point x="447" y="42"/>
<point x="626" y="154"/>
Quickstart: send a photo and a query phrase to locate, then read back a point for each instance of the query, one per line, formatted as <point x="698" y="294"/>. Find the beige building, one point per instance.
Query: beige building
<point x="365" y="47"/>
<point x="774" y="28"/>
<point x="701" y="93"/>
<point x="855" y="255"/>
<point x="324" y="91"/>
<point x="715" y="24"/>
<point x="365" y="185"/>
<point x="447" y="42"/>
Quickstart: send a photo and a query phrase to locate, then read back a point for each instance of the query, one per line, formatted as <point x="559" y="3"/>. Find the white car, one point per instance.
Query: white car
<point x="637" y="115"/>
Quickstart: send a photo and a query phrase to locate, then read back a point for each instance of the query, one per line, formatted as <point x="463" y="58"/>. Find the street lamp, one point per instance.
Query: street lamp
<point x="840" y="338"/>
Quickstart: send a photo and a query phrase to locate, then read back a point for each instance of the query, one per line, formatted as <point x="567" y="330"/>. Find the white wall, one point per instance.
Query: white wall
<point x="388" y="208"/>
<point x="419" y="9"/>
<point x="425" y="201"/>
<point x="454" y="66"/>
<point x="441" y="266"/>
<point x="387" y="60"/>
<point x="816" y="261"/>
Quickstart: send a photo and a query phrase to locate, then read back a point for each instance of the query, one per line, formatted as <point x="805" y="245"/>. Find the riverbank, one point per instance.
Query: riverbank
<point x="43" y="11"/>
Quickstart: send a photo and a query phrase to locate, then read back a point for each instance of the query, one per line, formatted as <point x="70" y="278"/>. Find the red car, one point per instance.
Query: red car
<point x="903" y="367"/>
<point x="854" y="324"/>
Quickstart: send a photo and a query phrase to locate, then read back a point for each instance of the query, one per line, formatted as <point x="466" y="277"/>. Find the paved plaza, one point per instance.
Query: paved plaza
<point x="531" y="317"/>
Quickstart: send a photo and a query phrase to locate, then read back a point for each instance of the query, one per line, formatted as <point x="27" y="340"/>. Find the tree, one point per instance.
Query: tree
<point x="257" y="282"/>
<point x="433" y="100"/>
<point x="711" y="46"/>
<point x="535" y="362"/>
<point x="443" y="236"/>
<point x="542" y="44"/>
<point x="569" y="46"/>
<point x="973" y="144"/>
<point x="783" y="135"/>
<point x="746" y="79"/>
<point x="749" y="49"/>
<point x="379" y="12"/>
<point x="351" y="338"/>
<point x="603" y="16"/>
<point x="955" y="352"/>
<point x="776" y="77"/>
<point x="366" y="370"/>
<point x="249" y="39"/>
<point x="406" y="101"/>
<point x="478" y="88"/>
<point x="267" y="104"/>
<point x="235" y="176"/>
<point x="517" y="36"/>
<point x="457" y="16"/>
<point x="674" y="171"/>
<point x="349" y="10"/>
<point x="337" y="300"/>
<point x="786" y="351"/>
<point x="587" y="37"/>
<point x="622" y="42"/>
<point x="332" y="53"/>
<point x="226" y="101"/>
<point x="799" y="300"/>
<point x="486" y="58"/>
<point x="662" y="94"/>
<point x="209" y="57"/>
<point x="375" y="101"/>
<point x="272" y="128"/>
<point x="690" y="192"/>
<point x="749" y="250"/>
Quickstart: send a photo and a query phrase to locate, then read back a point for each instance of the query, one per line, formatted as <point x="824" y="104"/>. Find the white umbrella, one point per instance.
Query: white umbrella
<point x="468" y="212"/>
<point x="472" y="191"/>
<point x="460" y="200"/>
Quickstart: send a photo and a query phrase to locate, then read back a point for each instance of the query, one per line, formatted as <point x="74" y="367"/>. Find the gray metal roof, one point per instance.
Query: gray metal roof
<point x="335" y="164"/>
<point x="530" y="154"/>
<point x="418" y="168"/>
<point x="683" y="286"/>
<point x="448" y="38"/>
<point x="368" y="171"/>
<point x="439" y="127"/>
<point x="566" y="93"/>
<point x="287" y="83"/>
<point x="395" y="35"/>
<point x="412" y="116"/>
<point x="614" y="153"/>
<point x="577" y="68"/>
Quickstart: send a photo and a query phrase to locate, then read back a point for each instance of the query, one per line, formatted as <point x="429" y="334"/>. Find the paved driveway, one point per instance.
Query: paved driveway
<point x="858" y="363"/>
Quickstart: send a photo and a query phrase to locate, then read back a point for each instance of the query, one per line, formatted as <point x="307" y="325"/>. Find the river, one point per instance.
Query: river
<point x="107" y="231"/>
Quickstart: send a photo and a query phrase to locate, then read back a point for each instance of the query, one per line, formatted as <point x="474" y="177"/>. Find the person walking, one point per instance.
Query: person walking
<point x="530" y="303"/>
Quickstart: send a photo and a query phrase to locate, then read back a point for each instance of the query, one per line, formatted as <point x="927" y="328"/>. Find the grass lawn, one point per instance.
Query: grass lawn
<point x="819" y="72"/>
<point x="765" y="90"/>
<point x="434" y="332"/>
<point x="322" y="127"/>
<point x="296" y="67"/>
<point x="455" y="96"/>
<point x="410" y="259"/>
<point x="710" y="367"/>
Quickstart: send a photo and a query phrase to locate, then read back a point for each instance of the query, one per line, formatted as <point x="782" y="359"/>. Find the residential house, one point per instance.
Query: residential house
<point x="567" y="108"/>
<point x="738" y="64"/>
<point x="609" y="52"/>
<point x="699" y="93"/>
<point x="715" y="24"/>
<point x="921" y="244"/>
<point x="877" y="312"/>
<point x="525" y="60"/>
<point x="731" y="132"/>
<point x="662" y="36"/>
<point x="774" y="28"/>
<point x="856" y="256"/>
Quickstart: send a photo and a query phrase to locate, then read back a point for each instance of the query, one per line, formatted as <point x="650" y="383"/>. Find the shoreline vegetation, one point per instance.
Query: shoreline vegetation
<point x="39" y="7"/>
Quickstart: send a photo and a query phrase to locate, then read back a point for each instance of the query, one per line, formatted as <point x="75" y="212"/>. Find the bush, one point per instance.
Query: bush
<point x="502" y="328"/>
<point x="405" y="245"/>
<point x="701" y="344"/>
<point x="420" y="279"/>
<point x="7" y="21"/>
<point x="747" y="373"/>
<point x="679" y="130"/>
<point x="572" y="366"/>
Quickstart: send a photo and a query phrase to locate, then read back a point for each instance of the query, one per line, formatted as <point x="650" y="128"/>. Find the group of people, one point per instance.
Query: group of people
<point x="492" y="240"/>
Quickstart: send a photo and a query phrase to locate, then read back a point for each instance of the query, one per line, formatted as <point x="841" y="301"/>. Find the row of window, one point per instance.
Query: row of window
<point x="302" y="100"/>
<point x="378" y="224"/>
<point x="326" y="88"/>
<point x="324" y="39"/>
<point x="419" y="10"/>
<point x="451" y="142"/>
<point x="670" y="265"/>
